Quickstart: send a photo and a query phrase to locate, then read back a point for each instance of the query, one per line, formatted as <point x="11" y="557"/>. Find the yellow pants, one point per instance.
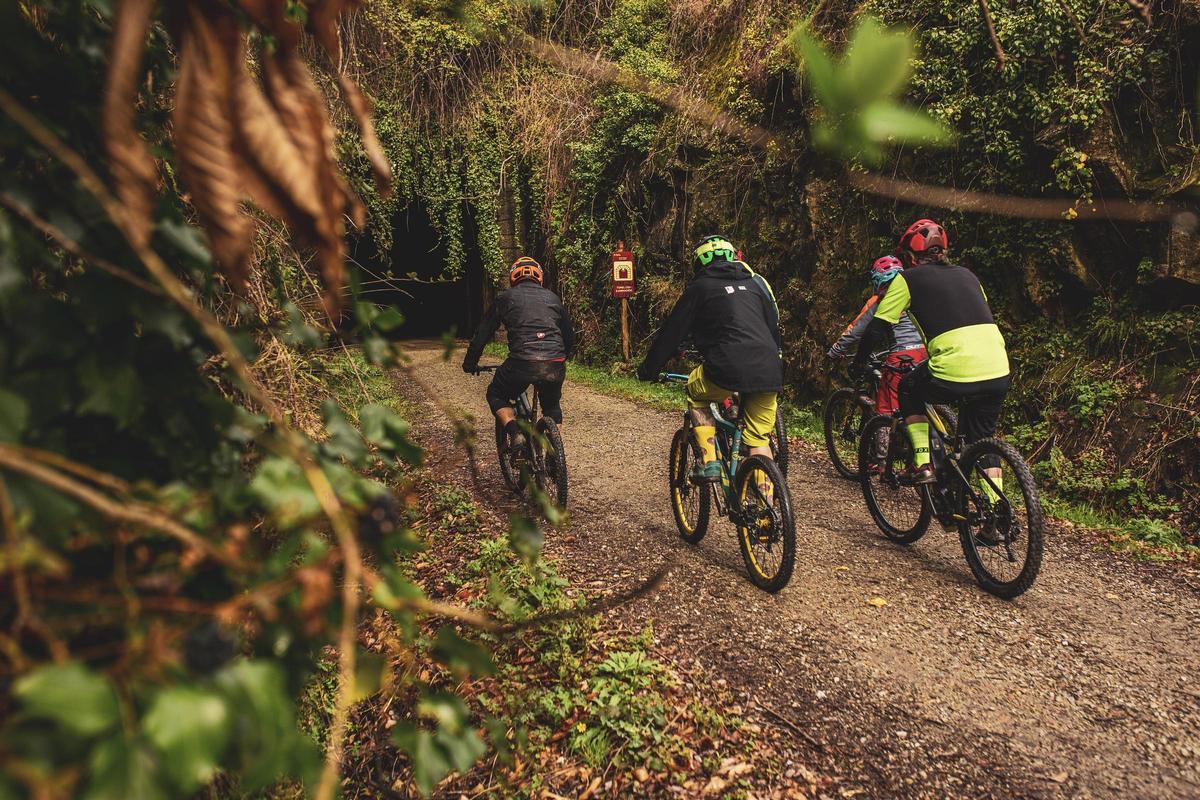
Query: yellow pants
<point x="758" y="410"/>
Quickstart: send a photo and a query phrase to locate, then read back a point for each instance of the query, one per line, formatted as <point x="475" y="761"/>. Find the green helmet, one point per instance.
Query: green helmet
<point x="710" y="248"/>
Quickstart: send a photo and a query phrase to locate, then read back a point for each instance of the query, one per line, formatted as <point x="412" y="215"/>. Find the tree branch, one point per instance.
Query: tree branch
<point x="991" y="28"/>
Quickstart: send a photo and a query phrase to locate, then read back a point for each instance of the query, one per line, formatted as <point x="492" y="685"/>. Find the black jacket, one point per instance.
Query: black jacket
<point x="538" y="326"/>
<point x="731" y="314"/>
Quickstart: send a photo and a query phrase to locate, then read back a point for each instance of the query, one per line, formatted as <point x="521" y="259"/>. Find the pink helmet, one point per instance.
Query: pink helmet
<point x="884" y="269"/>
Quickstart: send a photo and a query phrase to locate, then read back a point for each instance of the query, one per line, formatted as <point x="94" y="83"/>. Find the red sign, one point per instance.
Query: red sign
<point x="622" y="274"/>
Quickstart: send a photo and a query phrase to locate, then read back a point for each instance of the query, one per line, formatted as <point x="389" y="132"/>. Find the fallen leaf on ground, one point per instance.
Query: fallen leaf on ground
<point x="1059" y="777"/>
<point x="878" y="602"/>
<point x="841" y="569"/>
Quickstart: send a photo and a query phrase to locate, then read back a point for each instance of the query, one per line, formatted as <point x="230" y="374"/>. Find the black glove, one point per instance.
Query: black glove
<point x="470" y="369"/>
<point x="643" y="375"/>
<point x="857" y="370"/>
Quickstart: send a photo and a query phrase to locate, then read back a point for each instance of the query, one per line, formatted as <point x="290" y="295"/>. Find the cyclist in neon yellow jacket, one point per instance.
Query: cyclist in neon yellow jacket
<point x="968" y="362"/>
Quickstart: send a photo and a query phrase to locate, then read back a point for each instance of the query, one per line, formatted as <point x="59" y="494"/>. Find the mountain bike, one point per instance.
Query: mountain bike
<point x="543" y="457"/>
<point x="780" y="446"/>
<point x="849" y="409"/>
<point x="1001" y="538"/>
<point x="765" y="524"/>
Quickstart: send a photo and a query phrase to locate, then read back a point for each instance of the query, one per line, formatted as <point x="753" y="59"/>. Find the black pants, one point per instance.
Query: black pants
<point x="515" y="375"/>
<point x="979" y="403"/>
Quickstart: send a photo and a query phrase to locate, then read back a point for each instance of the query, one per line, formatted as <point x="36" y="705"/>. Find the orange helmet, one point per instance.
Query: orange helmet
<point x="524" y="268"/>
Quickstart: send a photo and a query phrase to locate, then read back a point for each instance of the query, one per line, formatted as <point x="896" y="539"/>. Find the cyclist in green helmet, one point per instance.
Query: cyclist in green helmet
<point x="731" y="314"/>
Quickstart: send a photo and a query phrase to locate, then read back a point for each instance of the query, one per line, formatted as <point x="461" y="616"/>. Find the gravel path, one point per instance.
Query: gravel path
<point x="1084" y="687"/>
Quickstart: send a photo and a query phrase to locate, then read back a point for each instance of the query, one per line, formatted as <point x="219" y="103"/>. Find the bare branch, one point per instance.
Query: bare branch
<point x="1142" y="9"/>
<point x="991" y="27"/>
<point x="1025" y="207"/>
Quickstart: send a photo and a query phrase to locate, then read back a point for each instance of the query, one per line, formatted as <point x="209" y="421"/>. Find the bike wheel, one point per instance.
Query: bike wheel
<point x="949" y="418"/>
<point x="845" y="415"/>
<point x="551" y="458"/>
<point x="1002" y="539"/>
<point x="690" y="502"/>
<point x="779" y="442"/>
<point x="506" y="468"/>
<point x="901" y="512"/>
<point x="766" y="527"/>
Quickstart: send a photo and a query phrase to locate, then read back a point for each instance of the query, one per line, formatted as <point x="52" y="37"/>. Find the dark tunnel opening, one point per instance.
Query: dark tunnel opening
<point x="414" y="281"/>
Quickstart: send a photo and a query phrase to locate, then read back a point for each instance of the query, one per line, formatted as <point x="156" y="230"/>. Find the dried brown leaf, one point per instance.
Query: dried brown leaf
<point x="204" y="136"/>
<point x="130" y="164"/>
<point x="360" y="107"/>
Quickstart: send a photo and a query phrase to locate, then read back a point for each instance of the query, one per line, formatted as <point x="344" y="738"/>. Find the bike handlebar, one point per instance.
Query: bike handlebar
<point x="488" y="368"/>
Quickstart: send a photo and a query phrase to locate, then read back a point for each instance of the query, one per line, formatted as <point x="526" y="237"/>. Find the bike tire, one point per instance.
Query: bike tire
<point x="782" y="525"/>
<point x="845" y="415"/>
<point x="779" y="442"/>
<point x="691" y="526"/>
<point x="506" y="470"/>
<point x="950" y="417"/>
<point x="1014" y="466"/>
<point x="881" y="492"/>
<point x="555" y="463"/>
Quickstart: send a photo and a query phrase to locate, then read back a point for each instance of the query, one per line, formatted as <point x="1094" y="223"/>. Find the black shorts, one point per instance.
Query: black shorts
<point x="979" y="403"/>
<point x="515" y="375"/>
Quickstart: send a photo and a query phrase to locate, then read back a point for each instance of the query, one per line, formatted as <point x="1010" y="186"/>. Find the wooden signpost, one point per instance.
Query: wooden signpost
<point x="623" y="287"/>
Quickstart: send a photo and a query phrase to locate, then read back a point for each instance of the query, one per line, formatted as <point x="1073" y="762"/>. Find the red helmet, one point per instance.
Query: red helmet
<point x="524" y="268"/>
<point x="921" y="237"/>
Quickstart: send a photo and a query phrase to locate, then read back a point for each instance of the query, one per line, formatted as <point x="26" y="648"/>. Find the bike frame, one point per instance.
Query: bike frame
<point x="729" y="447"/>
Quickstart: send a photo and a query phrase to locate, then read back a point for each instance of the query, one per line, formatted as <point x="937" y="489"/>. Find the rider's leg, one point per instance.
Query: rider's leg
<point x="758" y="412"/>
<point x="507" y="383"/>
<point x="979" y="415"/>
<point x="912" y="405"/>
<point x="700" y="393"/>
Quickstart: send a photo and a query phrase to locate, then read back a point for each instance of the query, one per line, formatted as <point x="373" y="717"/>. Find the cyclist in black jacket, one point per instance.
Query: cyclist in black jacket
<point x="540" y="340"/>
<point x="730" y="312"/>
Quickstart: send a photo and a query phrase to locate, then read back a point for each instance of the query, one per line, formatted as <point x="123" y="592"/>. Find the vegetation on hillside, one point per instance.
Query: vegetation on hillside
<point x="1090" y="105"/>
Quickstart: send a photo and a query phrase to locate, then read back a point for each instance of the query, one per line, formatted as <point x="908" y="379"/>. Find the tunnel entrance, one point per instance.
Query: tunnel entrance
<point x="414" y="281"/>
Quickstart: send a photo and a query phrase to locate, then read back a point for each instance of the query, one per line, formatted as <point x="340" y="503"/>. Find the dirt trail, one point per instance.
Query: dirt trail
<point x="1084" y="687"/>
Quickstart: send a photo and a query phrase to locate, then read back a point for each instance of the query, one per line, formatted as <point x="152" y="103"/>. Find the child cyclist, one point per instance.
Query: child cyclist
<point x="905" y="339"/>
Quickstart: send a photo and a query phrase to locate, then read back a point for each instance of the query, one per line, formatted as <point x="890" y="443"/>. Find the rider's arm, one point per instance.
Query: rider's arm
<point x="567" y="329"/>
<point x="483" y="334"/>
<point x="855" y="330"/>
<point x="891" y="307"/>
<point x="672" y="332"/>
<point x="772" y="309"/>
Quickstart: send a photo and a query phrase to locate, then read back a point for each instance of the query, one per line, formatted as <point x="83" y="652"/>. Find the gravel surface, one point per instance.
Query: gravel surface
<point x="1083" y="687"/>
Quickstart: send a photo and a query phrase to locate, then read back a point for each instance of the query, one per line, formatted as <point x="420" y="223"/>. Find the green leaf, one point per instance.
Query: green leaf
<point x="385" y="429"/>
<point x="876" y="64"/>
<point x="460" y="654"/>
<point x="266" y="741"/>
<point x="191" y="730"/>
<point x="71" y="695"/>
<point x="525" y="537"/>
<point x="429" y="762"/>
<point x="187" y="239"/>
<point x="112" y="390"/>
<point x="14" y="415"/>
<point x="819" y="68"/>
<point x="371" y="673"/>
<point x="121" y="770"/>
<point x="888" y="122"/>
<point x="281" y="486"/>
<point x="462" y="749"/>
<point x="298" y="333"/>
<point x="395" y="587"/>
<point x="447" y="710"/>
<point x="378" y="351"/>
<point x="389" y="319"/>
<point x="344" y="439"/>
